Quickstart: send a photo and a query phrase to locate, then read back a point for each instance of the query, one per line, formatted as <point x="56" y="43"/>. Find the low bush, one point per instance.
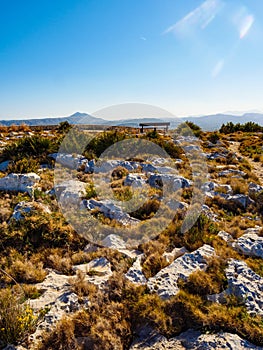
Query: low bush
<point x="16" y="318"/>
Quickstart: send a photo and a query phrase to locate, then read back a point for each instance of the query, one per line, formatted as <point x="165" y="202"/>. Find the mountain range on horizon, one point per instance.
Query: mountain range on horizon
<point x="206" y="122"/>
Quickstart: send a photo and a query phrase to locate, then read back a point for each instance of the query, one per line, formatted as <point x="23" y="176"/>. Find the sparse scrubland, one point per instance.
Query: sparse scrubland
<point x="61" y="291"/>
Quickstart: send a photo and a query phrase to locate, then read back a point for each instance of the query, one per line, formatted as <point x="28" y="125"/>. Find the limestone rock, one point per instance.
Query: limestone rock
<point x="211" y="189"/>
<point x="235" y="172"/>
<point x="241" y="200"/>
<point x="110" y="165"/>
<point x="100" y="267"/>
<point x="19" y="182"/>
<point x="135" y="180"/>
<point x="250" y="244"/>
<point x="165" y="281"/>
<point x="191" y="340"/>
<point x="245" y="284"/>
<point x="254" y="189"/>
<point x="110" y="210"/>
<point x="174" y="204"/>
<point x="69" y="161"/>
<point x="113" y="241"/>
<point x="135" y="273"/>
<point x="57" y="297"/>
<point x="174" y="182"/>
<point x="226" y="236"/>
<point x="174" y="254"/>
<point x="23" y="208"/>
<point x="70" y="192"/>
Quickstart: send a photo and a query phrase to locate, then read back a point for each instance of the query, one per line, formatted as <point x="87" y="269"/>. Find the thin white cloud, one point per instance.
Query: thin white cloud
<point x="143" y="38"/>
<point x="243" y="20"/>
<point x="218" y="68"/>
<point x="199" y="18"/>
<point x="246" y="26"/>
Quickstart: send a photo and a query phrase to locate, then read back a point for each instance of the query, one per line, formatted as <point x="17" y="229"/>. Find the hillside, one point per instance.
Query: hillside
<point x="76" y="118"/>
<point x="143" y="249"/>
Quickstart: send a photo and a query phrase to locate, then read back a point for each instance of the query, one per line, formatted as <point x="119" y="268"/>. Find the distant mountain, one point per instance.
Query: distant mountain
<point x="207" y="122"/>
<point x="76" y="118"/>
<point x="214" y="122"/>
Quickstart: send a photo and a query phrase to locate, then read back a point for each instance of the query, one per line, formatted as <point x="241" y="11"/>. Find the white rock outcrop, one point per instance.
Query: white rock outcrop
<point x="250" y="244"/>
<point x="191" y="340"/>
<point x="57" y="297"/>
<point x="173" y="181"/>
<point x="135" y="180"/>
<point x="19" y="182"/>
<point x="135" y="274"/>
<point x="165" y="281"/>
<point x="234" y="172"/>
<point x="70" y="192"/>
<point x="97" y="271"/>
<point x="69" y="161"/>
<point x="174" y="254"/>
<point x="226" y="237"/>
<point x="245" y="284"/>
<point x="24" y="208"/>
<point x="174" y="204"/>
<point x="114" y="241"/>
<point x="240" y="199"/>
<point x="254" y="189"/>
<point x="100" y="267"/>
<point x="110" y="210"/>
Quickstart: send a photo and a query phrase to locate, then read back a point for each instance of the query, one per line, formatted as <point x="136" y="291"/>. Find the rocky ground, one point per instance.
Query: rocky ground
<point x="231" y="232"/>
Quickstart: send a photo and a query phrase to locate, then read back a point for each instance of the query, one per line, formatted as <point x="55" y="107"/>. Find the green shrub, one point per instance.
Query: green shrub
<point x="16" y="318"/>
<point x="23" y="166"/>
<point x="29" y="147"/>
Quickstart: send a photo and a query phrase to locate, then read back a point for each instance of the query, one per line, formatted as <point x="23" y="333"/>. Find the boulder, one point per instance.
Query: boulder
<point x="174" y="182"/>
<point x="254" y="189"/>
<point x="174" y="254"/>
<point x="69" y="161"/>
<point x="116" y="242"/>
<point x="70" y="192"/>
<point x="135" y="180"/>
<point x="135" y="273"/>
<point x="99" y="267"/>
<point x="191" y="148"/>
<point x="113" y="241"/>
<point x="110" y="165"/>
<point x="149" y="339"/>
<point x="165" y="281"/>
<point x="246" y="285"/>
<point x="211" y="189"/>
<point x="216" y="155"/>
<point x="23" y="208"/>
<point x="110" y="210"/>
<point x="250" y="244"/>
<point x="226" y="236"/>
<point x="240" y="199"/>
<point x="19" y="182"/>
<point x="148" y="168"/>
<point x="232" y="172"/>
<point x="173" y="204"/>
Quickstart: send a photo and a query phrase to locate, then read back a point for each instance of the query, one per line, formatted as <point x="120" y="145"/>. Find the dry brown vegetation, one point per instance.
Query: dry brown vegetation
<point x="43" y="240"/>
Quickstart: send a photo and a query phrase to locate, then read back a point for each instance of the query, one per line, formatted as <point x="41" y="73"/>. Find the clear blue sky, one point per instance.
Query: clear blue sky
<point x="190" y="57"/>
